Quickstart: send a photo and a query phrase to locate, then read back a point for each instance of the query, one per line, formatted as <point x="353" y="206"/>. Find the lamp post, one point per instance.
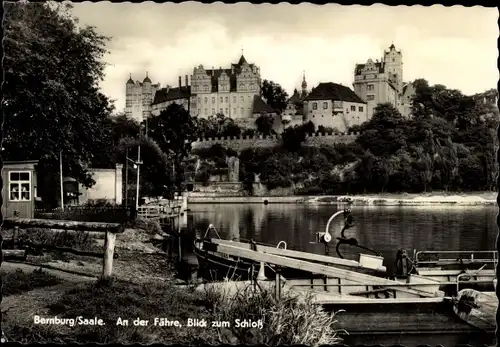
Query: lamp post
<point x="137" y="164"/>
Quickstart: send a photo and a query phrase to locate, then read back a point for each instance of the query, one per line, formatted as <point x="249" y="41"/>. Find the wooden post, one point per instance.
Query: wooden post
<point x="261" y="276"/>
<point x="61" y="179"/>
<point x="109" y="249"/>
<point x="278" y="283"/>
<point x="15" y="236"/>
<point x="126" y="177"/>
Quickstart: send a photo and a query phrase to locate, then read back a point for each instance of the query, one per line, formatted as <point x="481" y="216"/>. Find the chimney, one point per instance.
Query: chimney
<point x="180" y="81"/>
<point x="187" y="80"/>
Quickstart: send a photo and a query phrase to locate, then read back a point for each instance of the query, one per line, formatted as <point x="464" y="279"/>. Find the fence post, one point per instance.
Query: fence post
<point x="109" y="250"/>
<point x="278" y="283"/>
<point x="14" y="237"/>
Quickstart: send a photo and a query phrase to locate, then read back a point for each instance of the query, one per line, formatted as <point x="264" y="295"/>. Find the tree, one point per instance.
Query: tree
<point x="217" y="126"/>
<point x="293" y="137"/>
<point x="51" y="95"/>
<point x="174" y="130"/>
<point x="274" y="95"/>
<point x="385" y="132"/>
<point x="265" y="124"/>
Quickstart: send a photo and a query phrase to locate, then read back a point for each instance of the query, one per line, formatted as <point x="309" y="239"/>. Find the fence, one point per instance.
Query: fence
<point x="103" y="214"/>
<point x="110" y="229"/>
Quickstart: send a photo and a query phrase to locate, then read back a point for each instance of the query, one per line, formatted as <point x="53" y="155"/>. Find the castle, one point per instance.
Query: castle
<point x="235" y="92"/>
<point x="381" y="81"/>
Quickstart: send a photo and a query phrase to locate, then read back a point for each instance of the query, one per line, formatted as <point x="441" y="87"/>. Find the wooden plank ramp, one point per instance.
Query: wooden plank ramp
<point x="328" y="271"/>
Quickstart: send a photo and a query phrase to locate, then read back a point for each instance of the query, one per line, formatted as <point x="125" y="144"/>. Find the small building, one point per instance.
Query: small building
<point x="333" y="105"/>
<point x="260" y="108"/>
<point x="19" y="188"/>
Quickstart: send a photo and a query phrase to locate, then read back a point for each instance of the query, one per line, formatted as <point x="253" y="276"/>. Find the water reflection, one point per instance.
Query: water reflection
<point x="383" y="228"/>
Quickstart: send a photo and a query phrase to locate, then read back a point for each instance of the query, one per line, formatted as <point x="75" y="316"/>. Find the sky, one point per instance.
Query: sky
<point x="455" y="46"/>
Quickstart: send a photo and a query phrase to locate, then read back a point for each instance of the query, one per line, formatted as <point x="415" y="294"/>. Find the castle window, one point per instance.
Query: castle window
<point x="242" y="86"/>
<point x="243" y="98"/>
<point x="360" y="108"/>
<point x="221" y="99"/>
<point x="393" y="60"/>
<point x="227" y="99"/>
<point x="205" y="88"/>
<point x="370" y="87"/>
<point x="206" y="100"/>
<point x="353" y="108"/>
<point x="220" y="111"/>
<point x="337" y="104"/>
<point x="234" y="98"/>
<point x="206" y="112"/>
<point x="251" y="86"/>
<point x="370" y="97"/>
<point x="213" y="111"/>
<point x="213" y="99"/>
<point x="325" y="106"/>
<point x="227" y="111"/>
<point x="242" y="111"/>
<point x="315" y="105"/>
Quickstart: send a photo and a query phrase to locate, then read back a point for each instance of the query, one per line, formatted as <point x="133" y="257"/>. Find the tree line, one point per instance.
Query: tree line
<point x="52" y="105"/>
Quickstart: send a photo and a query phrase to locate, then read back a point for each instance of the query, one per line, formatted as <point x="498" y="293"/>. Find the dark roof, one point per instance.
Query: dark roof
<point x="130" y="80"/>
<point x="242" y="60"/>
<point x="392" y="46"/>
<point x="295" y="98"/>
<point x="259" y="106"/>
<point x="231" y="73"/>
<point x="146" y="80"/>
<point x="379" y="65"/>
<point x="168" y="94"/>
<point x="333" y="91"/>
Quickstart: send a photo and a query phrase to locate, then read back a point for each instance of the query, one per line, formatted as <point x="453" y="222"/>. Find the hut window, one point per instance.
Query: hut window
<point x="19" y="185"/>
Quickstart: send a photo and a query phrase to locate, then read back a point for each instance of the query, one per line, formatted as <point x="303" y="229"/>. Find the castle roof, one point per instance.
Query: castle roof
<point x="146" y="80"/>
<point x="360" y="67"/>
<point x="334" y="91"/>
<point x="130" y="80"/>
<point x="169" y="94"/>
<point x="259" y="106"/>
<point x="242" y="60"/>
<point x="295" y="98"/>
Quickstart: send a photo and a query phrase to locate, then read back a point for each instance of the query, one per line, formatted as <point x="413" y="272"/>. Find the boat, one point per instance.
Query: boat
<point x="216" y="265"/>
<point x="417" y="299"/>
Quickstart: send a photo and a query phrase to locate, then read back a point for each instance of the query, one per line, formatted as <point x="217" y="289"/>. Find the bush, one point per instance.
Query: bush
<point x="288" y="321"/>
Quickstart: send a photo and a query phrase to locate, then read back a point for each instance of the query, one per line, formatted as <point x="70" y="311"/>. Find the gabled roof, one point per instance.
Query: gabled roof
<point x="259" y="106"/>
<point x="169" y="94"/>
<point x="242" y="60"/>
<point x="379" y="65"/>
<point x="334" y="91"/>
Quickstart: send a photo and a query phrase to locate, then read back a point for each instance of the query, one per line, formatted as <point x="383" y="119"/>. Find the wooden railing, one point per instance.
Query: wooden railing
<point x="159" y="211"/>
<point x="110" y="229"/>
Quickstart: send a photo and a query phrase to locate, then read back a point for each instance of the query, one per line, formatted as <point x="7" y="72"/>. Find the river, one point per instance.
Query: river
<point x="382" y="228"/>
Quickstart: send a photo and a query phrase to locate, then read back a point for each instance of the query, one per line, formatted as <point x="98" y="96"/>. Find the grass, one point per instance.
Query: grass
<point x="289" y="321"/>
<point x="17" y="282"/>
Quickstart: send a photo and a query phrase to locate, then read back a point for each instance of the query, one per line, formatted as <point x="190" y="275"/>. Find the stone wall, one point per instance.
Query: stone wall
<point x="240" y="143"/>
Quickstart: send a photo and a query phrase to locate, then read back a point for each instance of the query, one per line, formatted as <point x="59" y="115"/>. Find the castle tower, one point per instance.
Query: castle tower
<point x="394" y="67"/>
<point x="147" y="97"/>
<point x="129" y="95"/>
<point x="304" y="86"/>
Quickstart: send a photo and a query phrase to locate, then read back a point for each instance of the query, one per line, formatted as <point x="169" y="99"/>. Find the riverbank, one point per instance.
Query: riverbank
<point x="402" y="199"/>
<point x="144" y="288"/>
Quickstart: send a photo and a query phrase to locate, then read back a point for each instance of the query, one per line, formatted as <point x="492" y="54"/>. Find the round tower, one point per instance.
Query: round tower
<point x="129" y="95"/>
<point x="147" y="97"/>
